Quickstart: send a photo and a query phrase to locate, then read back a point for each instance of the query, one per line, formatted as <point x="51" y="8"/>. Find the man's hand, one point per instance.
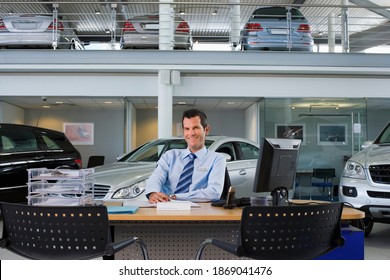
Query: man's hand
<point x="158" y="197"/>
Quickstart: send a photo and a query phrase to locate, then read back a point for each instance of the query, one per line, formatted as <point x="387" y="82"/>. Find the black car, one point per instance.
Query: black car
<point x="23" y="147"/>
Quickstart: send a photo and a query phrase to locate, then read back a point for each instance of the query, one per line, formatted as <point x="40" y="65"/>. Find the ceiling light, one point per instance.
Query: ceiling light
<point x="182" y="103"/>
<point x="97" y="13"/>
<point x="215" y="12"/>
<point x="46" y="106"/>
<point x="59" y="102"/>
<point x="107" y="31"/>
<point x="231" y="103"/>
<point x="107" y="102"/>
<point x="182" y="12"/>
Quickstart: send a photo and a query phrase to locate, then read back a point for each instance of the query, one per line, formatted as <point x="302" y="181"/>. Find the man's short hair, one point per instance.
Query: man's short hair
<point x="191" y="113"/>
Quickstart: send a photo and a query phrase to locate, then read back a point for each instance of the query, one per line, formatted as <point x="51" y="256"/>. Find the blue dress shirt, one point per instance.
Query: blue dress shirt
<point x="207" y="179"/>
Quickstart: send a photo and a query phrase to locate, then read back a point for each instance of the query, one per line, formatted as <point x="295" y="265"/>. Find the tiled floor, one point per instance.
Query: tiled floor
<point x="377" y="245"/>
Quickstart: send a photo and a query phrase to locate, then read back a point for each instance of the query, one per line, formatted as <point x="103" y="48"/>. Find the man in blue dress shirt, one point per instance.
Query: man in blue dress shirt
<point x="208" y="166"/>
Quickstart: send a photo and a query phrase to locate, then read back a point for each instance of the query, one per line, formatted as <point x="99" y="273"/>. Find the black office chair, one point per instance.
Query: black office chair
<point x="285" y="232"/>
<point x="323" y="178"/>
<point x="60" y="232"/>
<point x="94" y="161"/>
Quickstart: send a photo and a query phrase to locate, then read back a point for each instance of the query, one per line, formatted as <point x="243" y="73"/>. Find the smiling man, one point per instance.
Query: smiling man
<point x="195" y="173"/>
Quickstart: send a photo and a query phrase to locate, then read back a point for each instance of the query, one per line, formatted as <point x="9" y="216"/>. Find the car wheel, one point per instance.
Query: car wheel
<point x="363" y="224"/>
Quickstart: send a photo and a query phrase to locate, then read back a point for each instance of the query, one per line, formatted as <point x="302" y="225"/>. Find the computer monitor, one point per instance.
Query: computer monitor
<point x="276" y="168"/>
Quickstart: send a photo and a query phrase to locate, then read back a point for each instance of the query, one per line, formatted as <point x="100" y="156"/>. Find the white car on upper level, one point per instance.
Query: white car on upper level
<point x="37" y="31"/>
<point x="365" y="182"/>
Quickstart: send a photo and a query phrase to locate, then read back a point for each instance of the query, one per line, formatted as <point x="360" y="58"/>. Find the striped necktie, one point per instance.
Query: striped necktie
<point x="185" y="179"/>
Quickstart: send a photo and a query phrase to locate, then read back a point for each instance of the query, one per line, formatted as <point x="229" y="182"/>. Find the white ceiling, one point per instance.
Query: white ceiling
<point x="228" y="103"/>
<point x="117" y="103"/>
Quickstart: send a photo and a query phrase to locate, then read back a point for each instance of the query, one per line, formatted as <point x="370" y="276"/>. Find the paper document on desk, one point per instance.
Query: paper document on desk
<point x="174" y="205"/>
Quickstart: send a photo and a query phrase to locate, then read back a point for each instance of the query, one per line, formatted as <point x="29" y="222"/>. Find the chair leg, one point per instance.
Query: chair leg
<point x="201" y="248"/>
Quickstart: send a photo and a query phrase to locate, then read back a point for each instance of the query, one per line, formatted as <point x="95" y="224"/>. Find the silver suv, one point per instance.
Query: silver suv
<point x="365" y="182"/>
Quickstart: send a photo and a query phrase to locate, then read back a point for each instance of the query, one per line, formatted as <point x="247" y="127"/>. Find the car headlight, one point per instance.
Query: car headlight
<point x="354" y="170"/>
<point x="131" y="191"/>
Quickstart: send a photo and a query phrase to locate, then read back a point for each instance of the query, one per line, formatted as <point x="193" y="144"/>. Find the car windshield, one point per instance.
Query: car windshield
<point x="278" y="12"/>
<point x="152" y="151"/>
<point x="384" y="137"/>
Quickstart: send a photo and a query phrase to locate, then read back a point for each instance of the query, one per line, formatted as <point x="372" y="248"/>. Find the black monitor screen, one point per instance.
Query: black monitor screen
<point x="276" y="167"/>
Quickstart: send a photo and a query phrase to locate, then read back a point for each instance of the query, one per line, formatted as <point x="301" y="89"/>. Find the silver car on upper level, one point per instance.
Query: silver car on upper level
<point x="142" y="32"/>
<point x="125" y="179"/>
<point x="277" y="29"/>
<point x="37" y="31"/>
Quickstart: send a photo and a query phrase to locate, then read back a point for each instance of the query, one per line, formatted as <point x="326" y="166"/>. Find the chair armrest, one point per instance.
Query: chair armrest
<point x="112" y="248"/>
<point x="228" y="247"/>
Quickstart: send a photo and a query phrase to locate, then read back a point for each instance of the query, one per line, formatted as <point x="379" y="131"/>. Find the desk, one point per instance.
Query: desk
<point x="177" y="234"/>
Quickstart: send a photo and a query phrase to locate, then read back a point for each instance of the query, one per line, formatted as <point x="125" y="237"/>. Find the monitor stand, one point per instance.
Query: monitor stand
<point x="280" y="196"/>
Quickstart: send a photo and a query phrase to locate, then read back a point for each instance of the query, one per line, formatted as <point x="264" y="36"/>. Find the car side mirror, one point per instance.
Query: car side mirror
<point x="120" y="156"/>
<point x="367" y="144"/>
<point x="226" y="156"/>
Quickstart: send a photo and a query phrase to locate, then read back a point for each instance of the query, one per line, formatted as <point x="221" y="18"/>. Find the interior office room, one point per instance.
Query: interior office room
<point x="134" y="96"/>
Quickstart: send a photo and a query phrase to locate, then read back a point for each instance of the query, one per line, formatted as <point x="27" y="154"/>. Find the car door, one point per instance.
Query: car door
<point x="242" y="166"/>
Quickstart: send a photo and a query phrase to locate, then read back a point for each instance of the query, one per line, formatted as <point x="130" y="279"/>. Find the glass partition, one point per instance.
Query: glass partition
<point x="331" y="129"/>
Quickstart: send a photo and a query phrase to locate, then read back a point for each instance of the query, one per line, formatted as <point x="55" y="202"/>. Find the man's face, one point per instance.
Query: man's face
<point x="194" y="133"/>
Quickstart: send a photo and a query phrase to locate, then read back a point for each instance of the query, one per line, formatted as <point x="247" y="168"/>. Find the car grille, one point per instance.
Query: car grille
<point x="378" y="194"/>
<point x="380" y="174"/>
<point x="100" y="191"/>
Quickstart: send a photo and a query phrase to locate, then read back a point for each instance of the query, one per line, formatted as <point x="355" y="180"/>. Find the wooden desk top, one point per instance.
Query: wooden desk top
<point x="206" y="212"/>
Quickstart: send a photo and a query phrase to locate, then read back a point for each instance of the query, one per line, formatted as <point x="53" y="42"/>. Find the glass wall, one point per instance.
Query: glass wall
<point x="331" y="130"/>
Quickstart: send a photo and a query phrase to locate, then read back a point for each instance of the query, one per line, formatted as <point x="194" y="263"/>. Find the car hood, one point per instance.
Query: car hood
<point x="120" y="172"/>
<point x="373" y="155"/>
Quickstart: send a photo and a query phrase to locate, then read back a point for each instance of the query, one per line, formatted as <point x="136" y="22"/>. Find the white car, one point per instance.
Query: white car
<point x="125" y="179"/>
<point x="37" y="31"/>
<point x="365" y="182"/>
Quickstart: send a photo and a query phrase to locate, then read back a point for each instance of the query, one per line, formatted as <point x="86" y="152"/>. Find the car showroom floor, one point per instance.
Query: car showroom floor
<point x="377" y="245"/>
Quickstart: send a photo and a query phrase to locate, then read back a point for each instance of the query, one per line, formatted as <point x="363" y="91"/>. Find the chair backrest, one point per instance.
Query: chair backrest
<point x="324" y="173"/>
<point x="95" y="161"/>
<point x="290" y="232"/>
<point x="55" y="232"/>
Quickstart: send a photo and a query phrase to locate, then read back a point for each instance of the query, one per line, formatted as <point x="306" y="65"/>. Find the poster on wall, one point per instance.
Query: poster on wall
<point x="332" y="134"/>
<point x="291" y="131"/>
<point x="79" y="133"/>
